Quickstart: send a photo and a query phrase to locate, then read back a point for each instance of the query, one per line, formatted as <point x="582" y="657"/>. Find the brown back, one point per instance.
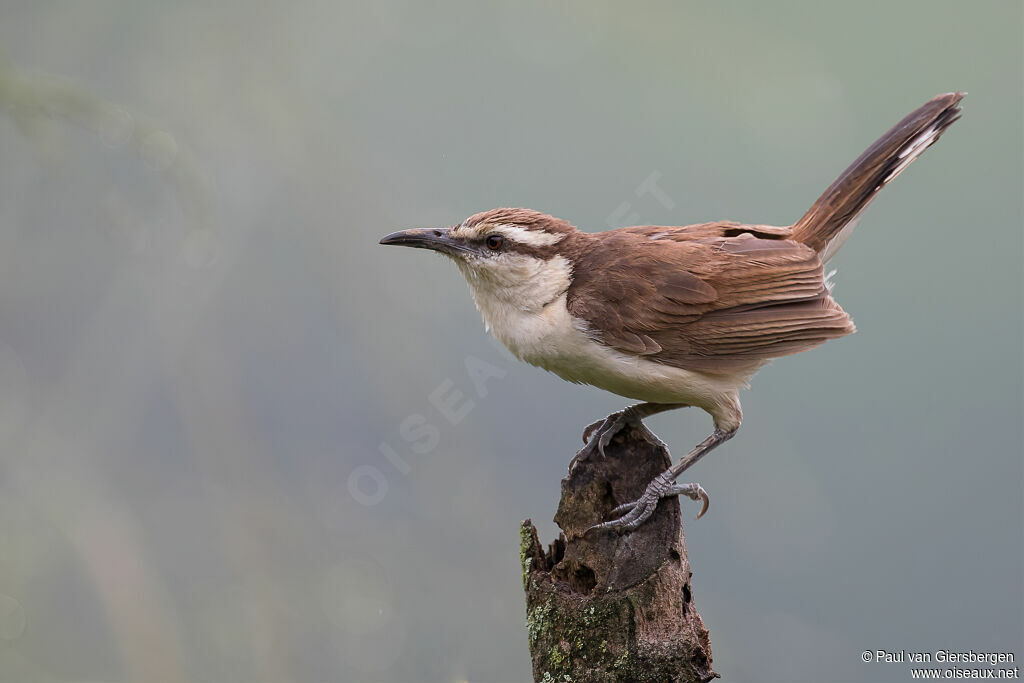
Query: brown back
<point x="715" y="297"/>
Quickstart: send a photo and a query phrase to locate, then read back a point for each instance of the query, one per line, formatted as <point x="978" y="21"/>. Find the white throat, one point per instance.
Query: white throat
<point x="521" y="299"/>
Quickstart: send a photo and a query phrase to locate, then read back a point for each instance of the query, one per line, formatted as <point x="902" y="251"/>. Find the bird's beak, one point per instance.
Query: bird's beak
<point x="437" y="239"/>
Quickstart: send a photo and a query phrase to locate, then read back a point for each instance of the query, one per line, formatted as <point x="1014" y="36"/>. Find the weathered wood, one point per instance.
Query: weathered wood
<point x="609" y="607"/>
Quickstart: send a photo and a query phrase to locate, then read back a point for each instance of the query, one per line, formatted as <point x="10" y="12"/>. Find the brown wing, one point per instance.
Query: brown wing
<point x="715" y="297"/>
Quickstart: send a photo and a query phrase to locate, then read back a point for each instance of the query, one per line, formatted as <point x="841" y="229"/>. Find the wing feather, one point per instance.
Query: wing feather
<point x="715" y="297"/>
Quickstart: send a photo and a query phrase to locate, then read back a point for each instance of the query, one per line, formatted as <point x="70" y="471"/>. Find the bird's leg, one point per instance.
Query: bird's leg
<point x="599" y="434"/>
<point x="636" y="513"/>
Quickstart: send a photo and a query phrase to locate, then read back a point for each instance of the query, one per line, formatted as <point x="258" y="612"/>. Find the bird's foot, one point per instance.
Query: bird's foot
<point x="598" y="435"/>
<point x="632" y="515"/>
<point x="612" y="424"/>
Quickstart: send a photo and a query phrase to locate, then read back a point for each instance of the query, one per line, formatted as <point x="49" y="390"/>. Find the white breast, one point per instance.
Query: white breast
<point x="552" y="339"/>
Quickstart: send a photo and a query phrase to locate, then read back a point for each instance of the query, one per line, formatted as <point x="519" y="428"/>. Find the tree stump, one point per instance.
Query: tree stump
<point x="609" y="607"/>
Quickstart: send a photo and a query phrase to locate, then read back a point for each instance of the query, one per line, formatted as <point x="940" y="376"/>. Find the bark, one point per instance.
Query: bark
<point x="610" y="607"/>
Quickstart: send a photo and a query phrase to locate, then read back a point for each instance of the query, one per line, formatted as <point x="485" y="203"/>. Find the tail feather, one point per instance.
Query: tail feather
<point x="829" y="221"/>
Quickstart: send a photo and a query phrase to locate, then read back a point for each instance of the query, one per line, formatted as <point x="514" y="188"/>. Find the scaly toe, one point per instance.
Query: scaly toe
<point x="592" y="442"/>
<point x="632" y="515"/>
<point x="599" y="434"/>
<point x="638" y="513"/>
<point x="581" y="455"/>
<point x="615" y="424"/>
<point x="591" y="427"/>
<point x="624" y="508"/>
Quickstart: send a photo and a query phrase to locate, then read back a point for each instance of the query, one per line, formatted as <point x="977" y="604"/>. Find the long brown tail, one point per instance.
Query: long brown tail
<point x="829" y="221"/>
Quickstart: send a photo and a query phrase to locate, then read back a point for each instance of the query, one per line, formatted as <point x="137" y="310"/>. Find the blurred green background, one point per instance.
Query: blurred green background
<point x="209" y="369"/>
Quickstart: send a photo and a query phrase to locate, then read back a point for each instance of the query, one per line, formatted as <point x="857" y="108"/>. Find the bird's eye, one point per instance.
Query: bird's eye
<point x="494" y="242"/>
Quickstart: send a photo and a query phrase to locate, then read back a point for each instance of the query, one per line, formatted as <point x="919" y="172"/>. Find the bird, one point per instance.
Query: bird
<point x="666" y="315"/>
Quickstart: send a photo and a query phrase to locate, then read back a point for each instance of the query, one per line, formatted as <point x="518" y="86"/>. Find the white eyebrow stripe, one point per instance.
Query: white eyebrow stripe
<point x="534" y="238"/>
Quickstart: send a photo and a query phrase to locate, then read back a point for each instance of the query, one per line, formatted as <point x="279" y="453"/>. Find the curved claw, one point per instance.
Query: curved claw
<point x="693" y="492"/>
<point x="598" y="435"/>
<point x="590" y="429"/>
<point x="590" y="443"/>
<point x="704" y="499"/>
